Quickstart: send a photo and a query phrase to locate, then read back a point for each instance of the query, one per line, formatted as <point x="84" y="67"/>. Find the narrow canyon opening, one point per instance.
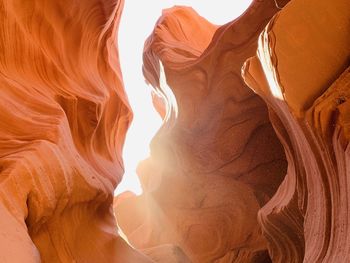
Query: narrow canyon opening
<point x="251" y="164"/>
<point x="134" y="29"/>
<point x="147" y="122"/>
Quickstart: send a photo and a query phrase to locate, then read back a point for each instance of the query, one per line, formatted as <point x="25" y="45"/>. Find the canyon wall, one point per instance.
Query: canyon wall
<point x="251" y="163"/>
<point x="64" y="115"/>
<point x="302" y="72"/>
<point x="216" y="160"/>
<point x="217" y="184"/>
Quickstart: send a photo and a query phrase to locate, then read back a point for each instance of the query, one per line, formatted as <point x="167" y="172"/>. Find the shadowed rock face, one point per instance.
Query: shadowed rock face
<point x="216" y="161"/>
<point x="64" y="115"/>
<point x="303" y="75"/>
<point x="207" y="179"/>
<point x="233" y="175"/>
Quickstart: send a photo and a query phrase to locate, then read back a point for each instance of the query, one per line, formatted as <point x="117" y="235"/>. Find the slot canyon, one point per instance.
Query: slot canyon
<point x="250" y="164"/>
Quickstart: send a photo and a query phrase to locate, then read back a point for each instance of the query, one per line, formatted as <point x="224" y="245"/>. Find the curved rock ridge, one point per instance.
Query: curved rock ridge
<point x="216" y="160"/>
<point x="64" y="115"/>
<point x="302" y="72"/>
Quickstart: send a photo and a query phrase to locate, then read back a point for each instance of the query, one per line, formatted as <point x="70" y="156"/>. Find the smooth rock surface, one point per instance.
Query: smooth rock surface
<point x="64" y="115"/>
<point x="251" y="164"/>
<point x="302" y="72"/>
<point x="216" y="160"/>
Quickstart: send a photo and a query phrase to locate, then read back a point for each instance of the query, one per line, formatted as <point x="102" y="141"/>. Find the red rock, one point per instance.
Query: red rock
<point x="64" y="115"/>
<point x="302" y="72"/>
<point x="233" y="175"/>
<point x="215" y="162"/>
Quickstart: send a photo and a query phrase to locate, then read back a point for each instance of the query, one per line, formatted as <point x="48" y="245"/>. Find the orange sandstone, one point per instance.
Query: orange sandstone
<point x="64" y="115"/>
<point x="251" y="169"/>
<point x="216" y="160"/>
<point x="302" y="72"/>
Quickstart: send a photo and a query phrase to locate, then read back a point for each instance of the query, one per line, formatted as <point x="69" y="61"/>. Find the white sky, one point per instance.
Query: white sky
<point x="137" y="22"/>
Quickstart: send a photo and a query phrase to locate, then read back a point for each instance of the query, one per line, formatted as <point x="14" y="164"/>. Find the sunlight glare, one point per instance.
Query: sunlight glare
<point x="137" y="22"/>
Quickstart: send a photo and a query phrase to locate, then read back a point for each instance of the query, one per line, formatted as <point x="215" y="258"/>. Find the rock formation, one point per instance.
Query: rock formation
<point x="251" y="164"/>
<point x="64" y="115"/>
<point x="216" y="164"/>
<point x="303" y="75"/>
<point x="216" y="160"/>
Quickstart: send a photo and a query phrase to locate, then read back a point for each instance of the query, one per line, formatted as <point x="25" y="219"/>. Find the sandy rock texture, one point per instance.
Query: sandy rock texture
<point x="63" y="119"/>
<point x="216" y="160"/>
<point x="251" y="164"/>
<point x="208" y="178"/>
<point x="302" y="72"/>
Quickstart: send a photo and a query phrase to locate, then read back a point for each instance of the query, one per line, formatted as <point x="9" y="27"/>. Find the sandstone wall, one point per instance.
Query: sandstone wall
<point x="216" y="160"/>
<point x="63" y="119"/>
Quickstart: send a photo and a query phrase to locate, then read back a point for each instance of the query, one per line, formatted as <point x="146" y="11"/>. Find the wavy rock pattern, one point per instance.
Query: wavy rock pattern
<point x="303" y="75"/>
<point x="217" y="187"/>
<point x="217" y="160"/>
<point x="64" y="115"/>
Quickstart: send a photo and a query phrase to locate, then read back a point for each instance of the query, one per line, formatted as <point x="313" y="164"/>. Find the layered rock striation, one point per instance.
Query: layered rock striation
<point x="216" y="165"/>
<point x="302" y="72"/>
<point x="251" y="163"/>
<point x="64" y="115"/>
<point x="216" y="160"/>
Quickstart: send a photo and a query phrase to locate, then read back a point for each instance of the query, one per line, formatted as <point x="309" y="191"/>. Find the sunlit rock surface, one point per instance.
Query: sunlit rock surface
<point x="216" y="160"/>
<point x="302" y="72"/>
<point x="63" y="119"/>
<point x="236" y="173"/>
